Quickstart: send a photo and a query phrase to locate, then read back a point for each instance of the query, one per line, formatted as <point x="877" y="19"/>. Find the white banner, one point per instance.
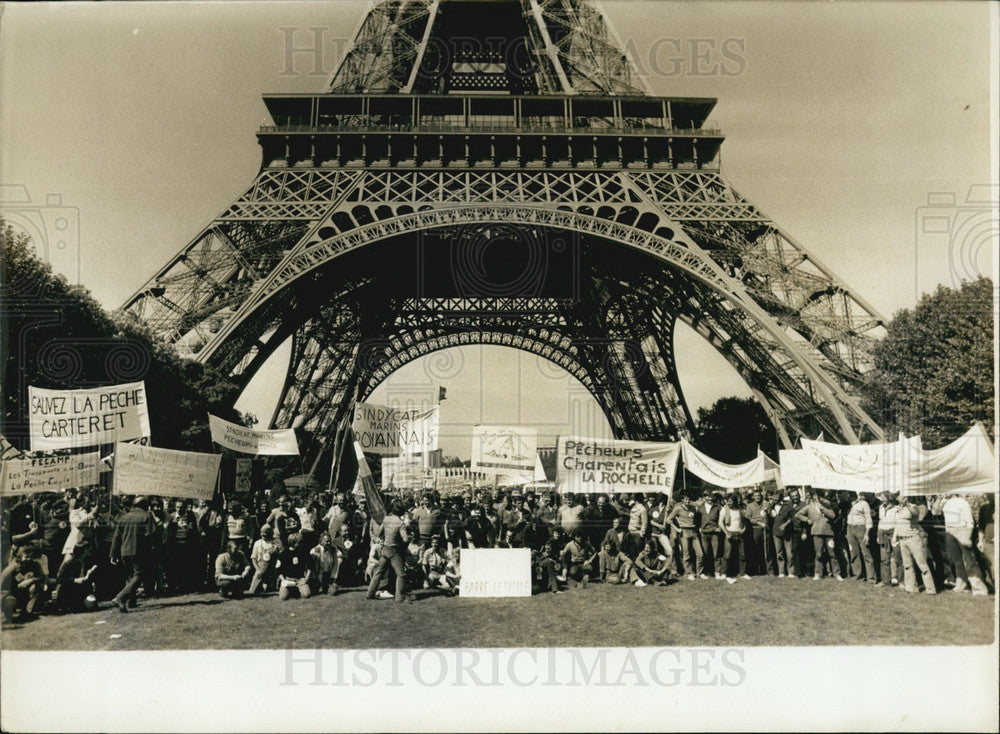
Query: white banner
<point x="49" y="473"/>
<point x="455" y="480"/>
<point x="406" y="472"/>
<point x="877" y="467"/>
<point x="66" y="419"/>
<point x="277" y="442"/>
<point x="393" y="431"/>
<point x="493" y="572"/>
<point x="164" y="472"/>
<point x="965" y="465"/>
<point x="724" y="475"/>
<point x="798" y="467"/>
<point x="510" y="451"/>
<point x="605" y="465"/>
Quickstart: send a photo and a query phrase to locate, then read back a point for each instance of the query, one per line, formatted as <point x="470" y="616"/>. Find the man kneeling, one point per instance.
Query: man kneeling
<point x="294" y="570"/>
<point x="232" y="570"/>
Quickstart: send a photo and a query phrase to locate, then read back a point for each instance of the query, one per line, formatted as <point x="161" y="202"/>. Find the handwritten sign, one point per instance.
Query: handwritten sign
<point x="494" y="572"/>
<point x="606" y="465"/>
<point x="49" y="473"/>
<point x="276" y="442"/>
<point x="507" y="450"/>
<point x="65" y="419"/>
<point x="165" y="472"/>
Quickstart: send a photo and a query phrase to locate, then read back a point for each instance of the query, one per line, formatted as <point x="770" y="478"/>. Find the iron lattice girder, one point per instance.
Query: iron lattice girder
<point x="612" y="193"/>
<point x="568" y="48"/>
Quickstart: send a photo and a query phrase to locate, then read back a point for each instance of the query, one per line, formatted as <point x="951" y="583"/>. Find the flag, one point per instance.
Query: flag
<point x="441" y="393"/>
<point x="366" y="484"/>
<point x="8" y="450"/>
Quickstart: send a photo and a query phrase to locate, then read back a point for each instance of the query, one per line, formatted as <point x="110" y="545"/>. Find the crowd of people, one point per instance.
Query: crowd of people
<point x="66" y="552"/>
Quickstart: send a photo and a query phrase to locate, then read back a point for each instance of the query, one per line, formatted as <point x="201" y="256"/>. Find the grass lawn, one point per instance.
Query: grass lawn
<point x="760" y="612"/>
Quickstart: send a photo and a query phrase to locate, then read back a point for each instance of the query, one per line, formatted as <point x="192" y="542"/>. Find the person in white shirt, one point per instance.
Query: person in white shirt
<point x="859" y="528"/>
<point x="959" y="527"/>
<point x="890" y="555"/>
<point x="733" y="523"/>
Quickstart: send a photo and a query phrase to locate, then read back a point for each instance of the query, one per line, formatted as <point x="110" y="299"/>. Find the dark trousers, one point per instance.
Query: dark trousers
<point x="857" y="541"/>
<point x="712" y="545"/>
<point x="691" y="546"/>
<point x="784" y="555"/>
<point x="136" y="572"/>
<point x="386" y="559"/>
<point x="547" y="574"/>
<point x="734" y="546"/>
<point x="757" y="550"/>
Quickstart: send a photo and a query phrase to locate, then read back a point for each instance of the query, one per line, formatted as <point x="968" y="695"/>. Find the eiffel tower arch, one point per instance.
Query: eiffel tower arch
<point x="495" y="172"/>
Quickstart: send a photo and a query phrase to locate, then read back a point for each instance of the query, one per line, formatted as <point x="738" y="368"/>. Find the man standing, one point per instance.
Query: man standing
<point x="683" y="518"/>
<point x="711" y="535"/>
<point x="638" y="520"/>
<point x="784" y="533"/>
<point x="130" y="547"/>
<point x="859" y="528"/>
<point x="756" y="514"/>
<point x="909" y="536"/>
<point x="958" y="526"/>
<point x="890" y="556"/>
<point x="395" y="538"/>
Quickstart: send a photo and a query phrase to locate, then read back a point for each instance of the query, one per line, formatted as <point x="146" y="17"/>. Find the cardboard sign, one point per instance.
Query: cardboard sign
<point x="165" y="472"/>
<point x="495" y="572"/>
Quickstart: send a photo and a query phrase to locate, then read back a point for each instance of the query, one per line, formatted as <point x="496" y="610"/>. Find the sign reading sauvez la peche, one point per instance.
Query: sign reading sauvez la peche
<point x="66" y="419"/>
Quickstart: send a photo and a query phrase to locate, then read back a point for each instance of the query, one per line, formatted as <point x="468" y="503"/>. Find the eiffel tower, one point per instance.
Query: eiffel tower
<point x="495" y="172"/>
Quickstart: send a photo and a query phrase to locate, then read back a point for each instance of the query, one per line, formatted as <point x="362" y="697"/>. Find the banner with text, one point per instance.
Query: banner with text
<point x="606" y="465"/>
<point x="406" y="472"/>
<point x="509" y="451"/>
<point x="724" y="475"/>
<point x="49" y="473"/>
<point x="66" y="419"/>
<point x="394" y="431"/>
<point x="965" y="465"/>
<point x="277" y="442"/>
<point x="165" y="472"/>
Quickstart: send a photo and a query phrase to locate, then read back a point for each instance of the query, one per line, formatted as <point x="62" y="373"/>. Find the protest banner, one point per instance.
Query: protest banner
<point x="455" y="480"/>
<point x="605" y="465"/>
<point x="65" y="419"/>
<point x="875" y="467"/>
<point x="406" y="472"/>
<point x="276" y="442"/>
<point x="165" y="472"/>
<point x="394" y="431"/>
<point x="495" y="572"/>
<point x="509" y="451"/>
<point x="967" y="464"/>
<point x="724" y="475"/>
<point x="49" y="473"/>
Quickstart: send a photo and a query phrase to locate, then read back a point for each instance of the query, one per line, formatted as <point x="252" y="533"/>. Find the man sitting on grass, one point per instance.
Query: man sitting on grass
<point x="578" y="558"/>
<point x="650" y="567"/>
<point x="615" y="566"/>
<point x="434" y="561"/>
<point x="22" y="583"/>
<point x="232" y="570"/>
<point x="264" y="558"/>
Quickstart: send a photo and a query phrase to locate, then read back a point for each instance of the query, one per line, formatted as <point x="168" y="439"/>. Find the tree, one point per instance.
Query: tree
<point x="933" y="372"/>
<point x="733" y="428"/>
<point x="56" y="335"/>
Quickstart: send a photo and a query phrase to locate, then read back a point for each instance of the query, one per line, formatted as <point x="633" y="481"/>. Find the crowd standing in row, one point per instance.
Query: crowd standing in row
<point x="66" y="552"/>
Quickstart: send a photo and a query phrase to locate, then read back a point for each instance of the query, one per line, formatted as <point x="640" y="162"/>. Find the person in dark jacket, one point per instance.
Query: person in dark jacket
<point x="130" y="547"/>
<point x="711" y="535"/>
<point x="819" y="515"/>
<point x="783" y="529"/>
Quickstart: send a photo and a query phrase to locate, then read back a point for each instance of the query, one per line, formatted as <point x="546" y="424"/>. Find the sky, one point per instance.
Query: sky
<point x="131" y="126"/>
